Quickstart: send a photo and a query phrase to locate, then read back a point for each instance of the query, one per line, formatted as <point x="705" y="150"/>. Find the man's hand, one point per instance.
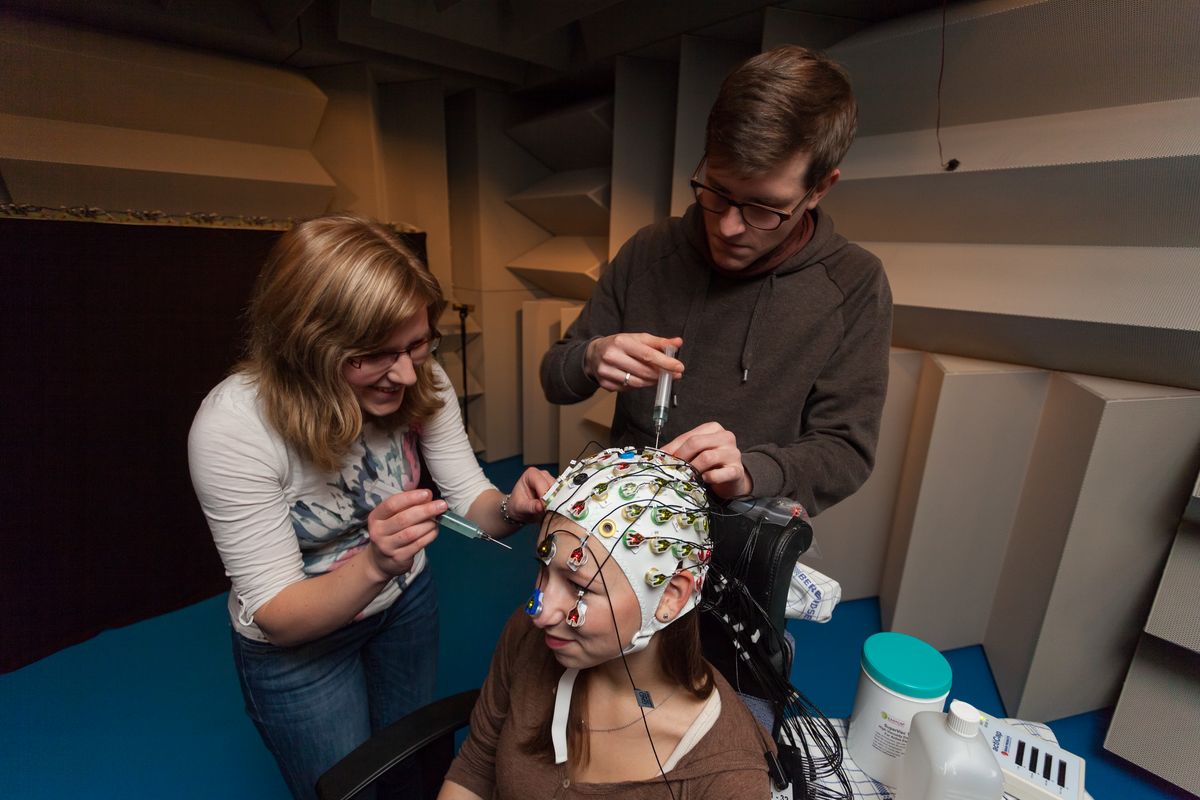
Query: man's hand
<point x="713" y="451"/>
<point x="639" y="356"/>
<point x="400" y="527"/>
<point x="525" y="503"/>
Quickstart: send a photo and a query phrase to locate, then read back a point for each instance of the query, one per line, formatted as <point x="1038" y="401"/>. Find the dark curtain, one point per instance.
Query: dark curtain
<point x="112" y="334"/>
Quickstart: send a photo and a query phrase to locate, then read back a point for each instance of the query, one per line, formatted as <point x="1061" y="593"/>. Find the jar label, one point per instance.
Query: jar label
<point x="879" y="728"/>
<point x="890" y="736"/>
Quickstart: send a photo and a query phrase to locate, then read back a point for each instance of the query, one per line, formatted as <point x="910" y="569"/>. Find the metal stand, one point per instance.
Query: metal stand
<point x="463" y="309"/>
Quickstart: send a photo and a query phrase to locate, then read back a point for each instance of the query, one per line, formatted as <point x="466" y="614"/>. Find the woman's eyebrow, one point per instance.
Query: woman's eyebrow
<point x="585" y="574"/>
<point x="588" y="572"/>
<point x="420" y="338"/>
<point x="388" y="349"/>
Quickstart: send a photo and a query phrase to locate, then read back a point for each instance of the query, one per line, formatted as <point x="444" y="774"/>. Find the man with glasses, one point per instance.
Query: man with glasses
<point x="783" y="325"/>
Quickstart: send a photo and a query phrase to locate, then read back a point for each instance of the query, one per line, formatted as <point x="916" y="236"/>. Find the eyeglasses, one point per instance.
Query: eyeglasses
<point x="755" y="215"/>
<point x="417" y="352"/>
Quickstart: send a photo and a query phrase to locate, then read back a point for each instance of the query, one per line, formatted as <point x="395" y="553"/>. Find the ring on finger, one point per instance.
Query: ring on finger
<point x="625" y="382"/>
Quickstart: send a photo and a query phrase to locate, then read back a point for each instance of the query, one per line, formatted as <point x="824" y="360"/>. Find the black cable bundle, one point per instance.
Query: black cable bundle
<point x="810" y="748"/>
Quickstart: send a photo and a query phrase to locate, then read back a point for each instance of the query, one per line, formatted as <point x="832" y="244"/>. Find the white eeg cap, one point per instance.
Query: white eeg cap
<point x="649" y="511"/>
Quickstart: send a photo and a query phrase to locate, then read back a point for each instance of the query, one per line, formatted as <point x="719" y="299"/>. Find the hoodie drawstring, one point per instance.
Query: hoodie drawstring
<point x="762" y="305"/>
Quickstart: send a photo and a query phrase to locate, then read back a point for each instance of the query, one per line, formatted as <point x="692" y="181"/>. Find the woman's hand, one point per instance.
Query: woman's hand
<point x="525" y="504"/>
<point x="630" y="360"/>
<point x="713" y="451"/>
<point x="399" y="527"/>
<point x="311" y="608"/>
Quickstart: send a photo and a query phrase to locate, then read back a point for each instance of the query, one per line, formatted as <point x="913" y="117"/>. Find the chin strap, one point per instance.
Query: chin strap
<point x="562" y="710"/>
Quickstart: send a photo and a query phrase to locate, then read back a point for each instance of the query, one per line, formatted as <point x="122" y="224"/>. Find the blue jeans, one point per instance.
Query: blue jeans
<point x="315" y="702"/>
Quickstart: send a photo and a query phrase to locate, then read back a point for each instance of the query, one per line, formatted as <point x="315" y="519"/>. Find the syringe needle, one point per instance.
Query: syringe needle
<point x="496" y="541"/>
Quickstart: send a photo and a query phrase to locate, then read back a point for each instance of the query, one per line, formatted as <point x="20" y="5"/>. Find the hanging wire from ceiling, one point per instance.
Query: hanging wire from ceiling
<point x="952" y="164"/>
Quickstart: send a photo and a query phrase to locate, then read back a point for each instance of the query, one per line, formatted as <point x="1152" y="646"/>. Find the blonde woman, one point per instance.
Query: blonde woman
<point x="306" y="464"/>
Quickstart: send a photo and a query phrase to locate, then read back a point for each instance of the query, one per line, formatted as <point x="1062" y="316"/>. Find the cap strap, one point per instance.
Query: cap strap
<point x="562" y="709"/>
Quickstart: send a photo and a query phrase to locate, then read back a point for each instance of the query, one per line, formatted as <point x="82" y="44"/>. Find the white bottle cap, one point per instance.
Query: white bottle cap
<point x="963" y="719"/>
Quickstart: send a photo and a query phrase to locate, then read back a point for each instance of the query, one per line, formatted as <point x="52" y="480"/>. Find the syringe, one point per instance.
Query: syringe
<point x="662" y="397"/>
<point x="463" y="526"/>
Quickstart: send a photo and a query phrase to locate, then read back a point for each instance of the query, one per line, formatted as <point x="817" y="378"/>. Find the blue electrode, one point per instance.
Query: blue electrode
<point x="464" y="527"/>
<point x="662" y="397"/>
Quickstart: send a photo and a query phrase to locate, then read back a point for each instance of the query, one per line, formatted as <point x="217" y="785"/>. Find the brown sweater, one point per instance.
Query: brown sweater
<point x="794" y="362"/>
<point x="518" y="697"/>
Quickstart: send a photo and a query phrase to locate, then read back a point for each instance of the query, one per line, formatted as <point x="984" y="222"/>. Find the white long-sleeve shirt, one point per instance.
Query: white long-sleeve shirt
<point x="277" y="520"/>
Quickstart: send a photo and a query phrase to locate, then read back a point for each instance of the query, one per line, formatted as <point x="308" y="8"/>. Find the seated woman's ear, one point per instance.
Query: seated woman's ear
<point x="675" y="595"/>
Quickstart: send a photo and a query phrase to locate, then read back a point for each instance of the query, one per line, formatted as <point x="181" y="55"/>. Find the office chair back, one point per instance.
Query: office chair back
<point x="758" y="548"/>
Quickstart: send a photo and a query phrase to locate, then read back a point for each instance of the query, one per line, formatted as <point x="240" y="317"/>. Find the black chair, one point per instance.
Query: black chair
<point x="756" y="543"/>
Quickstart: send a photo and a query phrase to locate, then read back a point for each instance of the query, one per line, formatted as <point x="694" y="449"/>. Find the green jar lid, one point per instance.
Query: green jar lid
<point x="906" y="665"/>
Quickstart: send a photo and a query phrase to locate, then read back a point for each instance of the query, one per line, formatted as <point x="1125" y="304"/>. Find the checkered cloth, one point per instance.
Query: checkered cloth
<point x="812" y="596"/>
<point x="864" y="786"/>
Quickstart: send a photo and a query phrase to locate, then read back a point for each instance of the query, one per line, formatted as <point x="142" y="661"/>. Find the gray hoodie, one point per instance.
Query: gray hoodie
<point x="793" y="362"/>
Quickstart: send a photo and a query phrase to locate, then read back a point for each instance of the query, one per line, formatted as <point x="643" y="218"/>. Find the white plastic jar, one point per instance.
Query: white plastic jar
<point x="901" y="676"/>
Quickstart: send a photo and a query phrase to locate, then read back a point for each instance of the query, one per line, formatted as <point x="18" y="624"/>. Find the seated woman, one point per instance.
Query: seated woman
<point x="612" y="624"/>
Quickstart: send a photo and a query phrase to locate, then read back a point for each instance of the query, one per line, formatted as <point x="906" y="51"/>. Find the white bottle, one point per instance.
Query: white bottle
<point x="948" y="758"/>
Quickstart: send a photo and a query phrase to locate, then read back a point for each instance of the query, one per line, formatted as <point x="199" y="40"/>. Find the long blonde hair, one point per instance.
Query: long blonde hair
<point x="331" y="286"/>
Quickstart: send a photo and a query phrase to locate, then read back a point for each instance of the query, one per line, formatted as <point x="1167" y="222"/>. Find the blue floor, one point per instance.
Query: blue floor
<point x="829" y="677"/>
<point x="153" y="710"/>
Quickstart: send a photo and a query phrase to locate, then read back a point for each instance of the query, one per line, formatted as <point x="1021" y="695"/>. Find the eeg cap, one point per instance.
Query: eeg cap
<point x="649" y="511"/>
